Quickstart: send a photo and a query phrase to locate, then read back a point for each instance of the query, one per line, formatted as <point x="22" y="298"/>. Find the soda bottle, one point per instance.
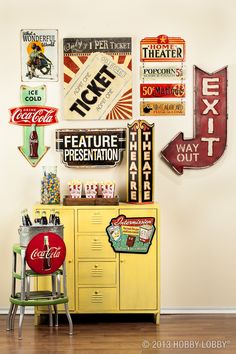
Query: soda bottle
<point x="52" y="216"/>
<point x="43" y="220"/>
<point x="34" y="143"/>
<point x="57" y="220"/>
<point x="37" y="219"/>
<point x="25" y="218"/>
<point x="46" y="259"/>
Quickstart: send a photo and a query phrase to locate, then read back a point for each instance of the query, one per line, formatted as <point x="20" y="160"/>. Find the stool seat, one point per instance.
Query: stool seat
<point x="25" y="297"/>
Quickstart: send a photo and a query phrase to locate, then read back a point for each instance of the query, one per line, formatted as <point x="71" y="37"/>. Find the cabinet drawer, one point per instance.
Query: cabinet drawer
<point x="95" y="247"/>
<point x="97" y="273"/>
<point x="95" y="220"/>
<point x="97" y="299"/>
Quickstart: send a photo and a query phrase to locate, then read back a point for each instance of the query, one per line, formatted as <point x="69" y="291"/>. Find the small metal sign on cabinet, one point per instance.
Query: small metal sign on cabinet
<point x="210" y="122"/>
<point x="91" y="147"/>
<point x="131" y="235"/>
<point x="140" y="162"/>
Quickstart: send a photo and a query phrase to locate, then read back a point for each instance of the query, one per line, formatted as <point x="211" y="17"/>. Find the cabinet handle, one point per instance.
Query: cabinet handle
<point x="70" y="261"/>
<point x="122" y="261"/>
<point x="95" y="266"/>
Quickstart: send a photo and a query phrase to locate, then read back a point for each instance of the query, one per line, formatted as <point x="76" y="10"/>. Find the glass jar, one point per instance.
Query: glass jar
<point x="50" y="186"/>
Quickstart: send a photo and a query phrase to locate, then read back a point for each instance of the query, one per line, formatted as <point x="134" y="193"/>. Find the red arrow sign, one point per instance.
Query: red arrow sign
<point x="210" y="121"/>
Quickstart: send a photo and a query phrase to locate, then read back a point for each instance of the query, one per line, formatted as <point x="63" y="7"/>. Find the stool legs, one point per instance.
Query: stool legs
<point x="22" y="312"/>
<point x="69" y="319"/>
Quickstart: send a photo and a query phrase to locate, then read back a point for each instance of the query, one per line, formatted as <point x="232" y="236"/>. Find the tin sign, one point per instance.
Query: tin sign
<point x="97" y="78"/>
<point x="45" y="253"/>
<point x="162" y="48"/>
<point x="162" y="72"/>
<point x="210" y="122"/>
<point x="162" y="90"/>
<point x="39" y="59"/>
<point x="162" y="108"/>
<point x="140" y="162"/>
<point x="131" y="235"/>
<point x="91" y="147"/>
<point x="28" y="115"/>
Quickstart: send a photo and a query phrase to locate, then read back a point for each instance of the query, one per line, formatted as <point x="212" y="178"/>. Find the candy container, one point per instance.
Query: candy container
<point x="108" y="189"/>
<point x="50" y="186"/>
<point x="75" y="188"/>
<point x="91" y="189"/>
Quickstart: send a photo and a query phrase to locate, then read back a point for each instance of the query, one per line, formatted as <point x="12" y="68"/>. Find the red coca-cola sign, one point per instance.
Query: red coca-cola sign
<point x="28" y="115"/>
<point x="45" y="253"/>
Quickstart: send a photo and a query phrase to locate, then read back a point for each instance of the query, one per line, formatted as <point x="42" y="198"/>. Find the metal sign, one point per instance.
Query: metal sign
<point x="91" y="147"/>
<point x="39" y="60"/>
<point x="140" y="162"/>
<point x="131" y="235"/>
<point x="162" y="108"/>
<point x="97" y="78"/>
<point x="162" y="72"/>
<point x="162" y="48"/>
<point x="45" y="253"/>
<point x="33" y="116"/>
<point x="210" y="122"/>
<point x="162" y="90"/>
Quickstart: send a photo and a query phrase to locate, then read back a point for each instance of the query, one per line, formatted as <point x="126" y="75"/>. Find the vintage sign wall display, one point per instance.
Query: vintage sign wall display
<point x="140" y="162"/>
<point x="162" y="75"/>
<point x="97" y="78"/>
<point x="131" y="235"/>
<point x="45" y="253"/>
<point x="33" y="116"/>
<point x="39" y="59"/>
<point x="210" y="122"/>
<point x="91" y="147"/>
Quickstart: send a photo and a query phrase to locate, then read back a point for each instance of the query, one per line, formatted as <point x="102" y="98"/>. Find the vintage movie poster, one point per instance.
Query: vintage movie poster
<point x="97" y="78"/>
<point x="39" y="55"/>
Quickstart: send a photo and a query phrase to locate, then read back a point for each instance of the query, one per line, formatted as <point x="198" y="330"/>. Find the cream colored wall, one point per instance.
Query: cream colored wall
<point x="198" y="222"/>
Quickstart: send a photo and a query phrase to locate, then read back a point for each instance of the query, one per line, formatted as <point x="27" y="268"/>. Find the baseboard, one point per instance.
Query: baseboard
<point x="197" y="310"/>
<point x="28" y="311"/>
<point x="164" y="311"/>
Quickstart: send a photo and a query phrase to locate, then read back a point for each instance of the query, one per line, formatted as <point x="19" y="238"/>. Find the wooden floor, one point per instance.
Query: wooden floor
<point x="208" y="334"/>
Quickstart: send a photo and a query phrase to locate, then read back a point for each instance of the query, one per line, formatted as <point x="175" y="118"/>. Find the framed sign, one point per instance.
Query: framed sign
<point x="140" y="162"/>
<point x="97" y="78"/>
<point x="39" y="59"/>
<point x="131" y="235"/>
<point x="91" y="147"/>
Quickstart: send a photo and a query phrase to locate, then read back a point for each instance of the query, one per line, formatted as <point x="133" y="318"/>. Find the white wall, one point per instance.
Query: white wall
<point x="198" y="223"/>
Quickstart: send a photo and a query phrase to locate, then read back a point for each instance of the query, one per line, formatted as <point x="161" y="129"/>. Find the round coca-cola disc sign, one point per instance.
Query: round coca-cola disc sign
<point x="45" y="253"/>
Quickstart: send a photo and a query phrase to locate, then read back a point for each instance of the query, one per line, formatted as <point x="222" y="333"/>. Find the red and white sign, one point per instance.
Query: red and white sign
<point x="28" y="115"/>
<point x="162" y="90"/>
<point x="209" y="141"/>
<point x="162" y="48"/>
<point x="45" y="253"/>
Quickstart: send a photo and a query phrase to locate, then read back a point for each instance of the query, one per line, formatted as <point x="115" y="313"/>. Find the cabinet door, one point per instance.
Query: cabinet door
<point x="138" y="272"/>
<point x="67" y="219"/>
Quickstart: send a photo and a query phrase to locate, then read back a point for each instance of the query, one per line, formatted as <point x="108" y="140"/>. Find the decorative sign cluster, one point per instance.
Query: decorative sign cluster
<point x="91" y="147"/>
<point x="169" y="53"/>
<point x="97" y="78"/>
<point x="140" y="162"/>
<point x="131" y="235"/>
<point x="210" y="115"/>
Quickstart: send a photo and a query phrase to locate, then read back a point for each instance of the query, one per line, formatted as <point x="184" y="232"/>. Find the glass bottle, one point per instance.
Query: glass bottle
<point x="57" y="220"/>
<point x="52" y="216"/>
<point x="37" y="219"/>
<point x="43" y="220"/>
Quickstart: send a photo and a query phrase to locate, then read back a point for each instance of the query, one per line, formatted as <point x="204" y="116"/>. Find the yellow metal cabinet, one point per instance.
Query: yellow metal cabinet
<point x="99" y="279"/>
